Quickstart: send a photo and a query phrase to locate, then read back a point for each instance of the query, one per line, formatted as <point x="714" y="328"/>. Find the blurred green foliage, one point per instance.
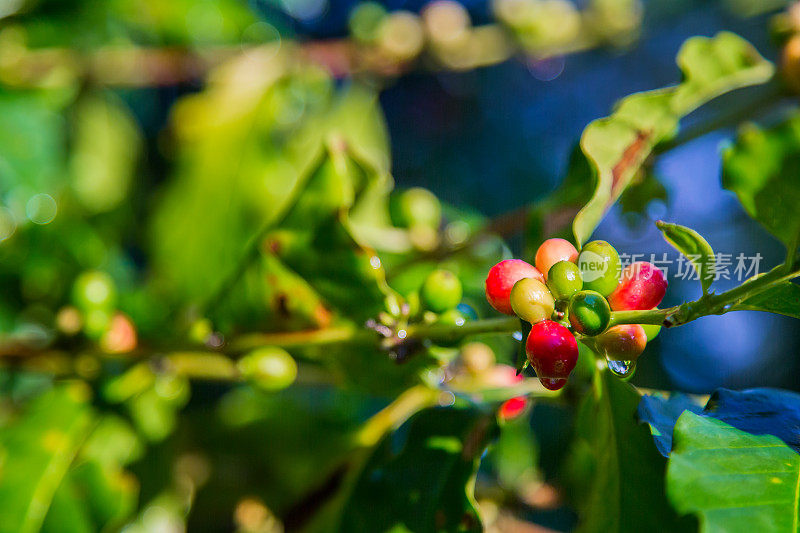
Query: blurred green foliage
<point x="136" y="269"/>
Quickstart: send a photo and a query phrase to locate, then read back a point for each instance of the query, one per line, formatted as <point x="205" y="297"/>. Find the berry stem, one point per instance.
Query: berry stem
<point x="448" y="332"/>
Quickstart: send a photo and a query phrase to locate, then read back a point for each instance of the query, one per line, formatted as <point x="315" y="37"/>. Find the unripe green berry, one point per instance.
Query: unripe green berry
<point x="564" y="280"/>
<point x="441" y="291"/>
<point x="270" y="368"/>
<point x="531" y="300"/>
<point x="96" y="322"/>
<point x="451" y="317"/>
<point x="589" y="313"/>
<point x="416" y="207"/>
<point x="551" y="252"/>
<point x="651" y="331"/>
<point x="600" y="267"/>
<point x="94" y="289"/>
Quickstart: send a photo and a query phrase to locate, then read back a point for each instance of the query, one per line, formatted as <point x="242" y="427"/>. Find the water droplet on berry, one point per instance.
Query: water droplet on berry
<point x="552" y="384"/>
<point x="621" y="369"/>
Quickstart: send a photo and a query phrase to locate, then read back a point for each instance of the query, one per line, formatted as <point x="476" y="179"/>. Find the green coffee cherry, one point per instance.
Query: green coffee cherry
<point x="589" y="313"/>
<point x="270" y="368"/>
<point x="441" y="291"/>
<point x="451" y="317"/>
<point x="651" y="330"/>
<point x="564" y="280"/>
<point x="96" y="322"/>
<point x="600" y="267"/>
<point x="416" y="207"/>
<point x="94" y="289"/>
<point x="532" y="301"/>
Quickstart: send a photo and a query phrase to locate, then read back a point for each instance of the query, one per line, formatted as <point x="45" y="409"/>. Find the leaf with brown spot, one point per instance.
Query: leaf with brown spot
<point x="618" y="145"/>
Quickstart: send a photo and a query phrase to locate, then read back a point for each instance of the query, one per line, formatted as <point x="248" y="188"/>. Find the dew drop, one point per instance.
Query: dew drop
<point x="622" y="369"/>
<point x="552" y="383"/>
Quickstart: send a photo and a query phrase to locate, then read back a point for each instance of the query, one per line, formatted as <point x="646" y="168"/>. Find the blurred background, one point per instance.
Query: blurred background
<point x="149" y="139"/>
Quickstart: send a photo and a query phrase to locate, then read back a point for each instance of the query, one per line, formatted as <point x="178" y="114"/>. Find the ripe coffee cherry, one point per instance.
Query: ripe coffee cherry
<point x="441" y="291"/>
<point x="512" y="408"/>
<point x="552" y="352"/>
<point x="589" y="313"/>
<point x="622" y="343"/>
<point x="532" y="301"/>
<point x="551" y="252"/>
<point x="599" y="264"/>
<point x="416" y="207"/>
<point x="270" y="368"/>
<point x="564" y="280"/>
<point x="641" y="287"/>
<point x="120" y="337"/>
<point x="94" y="290"/>
<point x="501" y="280"/>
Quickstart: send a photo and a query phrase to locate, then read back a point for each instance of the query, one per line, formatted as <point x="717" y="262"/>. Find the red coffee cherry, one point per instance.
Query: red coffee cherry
<point x="552" y="352"/>
<point x="642" y="286"/>
<point x="552" y="251"/>
<point x="513" y="407"/>
<point x="622" y="343"/>
<point x="501" y="280"/>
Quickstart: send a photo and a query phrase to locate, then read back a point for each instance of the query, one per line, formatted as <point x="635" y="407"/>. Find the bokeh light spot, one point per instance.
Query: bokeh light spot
<point x="41" y="209"/>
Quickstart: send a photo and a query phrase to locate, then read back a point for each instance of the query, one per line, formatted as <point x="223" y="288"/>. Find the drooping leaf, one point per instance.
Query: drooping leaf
<point x="246" y="146"/>
<point x="620" y="473"/>
<point x="761" y="167"/>
<point x="315" y="238"/>
<point x="733" y="480"/>
<point x="426" y="485"/>
<point x="660" y="414"/>
<point x="694" y="247"/>
<point x="758" y="411"/>
<point x="762" y="411"/>
<point x="782" y="299"/>
<point x="618" y="145"/>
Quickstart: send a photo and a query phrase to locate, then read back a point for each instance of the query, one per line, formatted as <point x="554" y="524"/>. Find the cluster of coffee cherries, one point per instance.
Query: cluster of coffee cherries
<point x="94" y="313"/>
<point x="570" y="294"/>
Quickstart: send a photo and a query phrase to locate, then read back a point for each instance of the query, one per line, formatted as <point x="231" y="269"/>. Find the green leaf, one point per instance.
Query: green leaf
<point x="37" y="451"/>
<point x="61" y="469"/>
<point x="761" y="167"/>
<point x="515" y="455"/>
<point x="694" y="247"/>
<point x="732" y="480"/>
<point x="427" y="485"/>
<point x="782" y="299"/>
<point x="106" y="145"/>
<point x="315" y="238"/>
<point x="618" y="145"/>
<point x="618" y="473"/>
